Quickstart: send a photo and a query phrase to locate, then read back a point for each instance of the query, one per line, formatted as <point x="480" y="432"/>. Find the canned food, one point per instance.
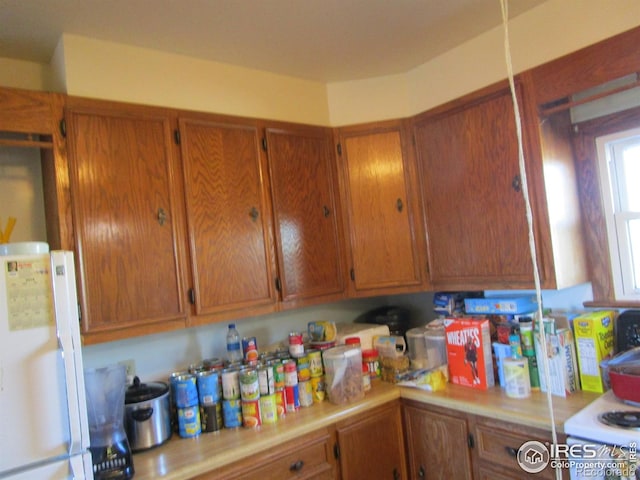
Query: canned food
<point x="208" y="387"/>
<point x="251" y="413"/>
<point x="211" y="417"/>
<point x="315" y="363"/>
<point x="186" y="392"/>
<point x="296" y="346"/>
<point x="249" y="385"/>
<point x="189" y="422"/>
<point x="250" y="349"/>
<point x="232" y="413"/>
<point x="213" y="363"/>
<point x="292" y="398"/>
<point x="317" y="388"/>
<point x="305" y="393"/>
<point x="302" y="366"/>
<point x="268" y="409"/>
<point x="290" y="373"/>
<point x="266" y="380"/>
<point x="230" y="384"/>
<point x="281" y="403"/>
<point x="278" y="374"/>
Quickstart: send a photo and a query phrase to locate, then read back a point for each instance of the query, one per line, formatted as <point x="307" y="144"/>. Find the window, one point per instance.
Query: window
<point x="619" y="171"/>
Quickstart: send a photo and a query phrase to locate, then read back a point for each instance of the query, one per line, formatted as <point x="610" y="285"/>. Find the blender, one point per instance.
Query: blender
<point x="109" y="445"/>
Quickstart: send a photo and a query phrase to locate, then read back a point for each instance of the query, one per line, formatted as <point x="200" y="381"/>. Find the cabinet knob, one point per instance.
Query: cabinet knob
<point x="253" y="213"/>
<point x="325" y="211"/>
<point x="399" y="205"/>
<point x="513" y="452"/>
<point x="297" y="466"/>
<point x="162" y="216"/>
<point x="516" y="183"/>
<point x="396" y="474"/>
<point x="421" y="472"/>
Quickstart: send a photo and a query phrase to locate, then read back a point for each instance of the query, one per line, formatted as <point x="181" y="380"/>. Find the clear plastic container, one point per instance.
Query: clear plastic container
<point x="343" y="374"/>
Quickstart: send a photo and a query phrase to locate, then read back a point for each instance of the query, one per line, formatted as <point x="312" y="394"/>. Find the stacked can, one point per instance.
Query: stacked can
<point x="209" y="397"/>
<point x="291" y="388"/>
<point x="231" y="404"/>
<point x="186" y="400"/>
<point x="317" y="375"/>
<point x="250" y="395"/>
<point x="304" y="381"/>
<point x="279" y="383"/>
<point x="267" y="385"/>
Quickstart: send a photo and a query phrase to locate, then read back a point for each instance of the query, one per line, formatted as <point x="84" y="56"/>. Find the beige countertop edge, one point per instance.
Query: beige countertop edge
<point x="184" y="458"/>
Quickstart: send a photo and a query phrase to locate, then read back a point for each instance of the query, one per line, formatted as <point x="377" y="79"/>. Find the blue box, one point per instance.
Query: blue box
<point x="501" y="305"/>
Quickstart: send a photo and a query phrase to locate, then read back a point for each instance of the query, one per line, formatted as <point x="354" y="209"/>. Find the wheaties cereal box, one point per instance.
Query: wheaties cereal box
<point x="469" y="352"/>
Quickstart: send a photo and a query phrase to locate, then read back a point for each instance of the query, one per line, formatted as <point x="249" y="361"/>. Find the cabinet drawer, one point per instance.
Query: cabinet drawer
<point x="305" y="458"/>
<point x="500" y="447"/>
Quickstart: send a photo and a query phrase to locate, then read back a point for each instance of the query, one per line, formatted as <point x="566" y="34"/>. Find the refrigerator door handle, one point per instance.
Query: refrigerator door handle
<point x="68" y="333"/>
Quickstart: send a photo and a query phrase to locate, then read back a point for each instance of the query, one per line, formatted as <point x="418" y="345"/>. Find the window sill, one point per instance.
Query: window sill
<point x="612" y="304"/>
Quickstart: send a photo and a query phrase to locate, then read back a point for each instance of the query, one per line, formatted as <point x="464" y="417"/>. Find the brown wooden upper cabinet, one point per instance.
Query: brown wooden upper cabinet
<point x="128" y="219"/>
<point x="307" y="217"/>
<point x="228" y="217"/>
<point x="472" y="189"/>
<point x="383" y="221"/>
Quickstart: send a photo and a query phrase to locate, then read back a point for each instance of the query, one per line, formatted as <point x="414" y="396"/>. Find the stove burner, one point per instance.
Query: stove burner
<point x="623" y="419"/>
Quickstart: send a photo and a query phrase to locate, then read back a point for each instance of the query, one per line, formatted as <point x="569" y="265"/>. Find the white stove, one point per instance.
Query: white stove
<point x="586" y="425"/>
<point x="587" y="432"/>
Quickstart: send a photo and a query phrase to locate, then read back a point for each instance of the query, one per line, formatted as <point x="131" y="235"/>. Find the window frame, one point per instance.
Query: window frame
<point x="592" y="198"/>
<point x="617" y="218"/>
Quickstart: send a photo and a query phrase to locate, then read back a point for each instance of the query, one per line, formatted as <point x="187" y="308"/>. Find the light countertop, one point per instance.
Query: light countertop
<point x="183" y="458"/>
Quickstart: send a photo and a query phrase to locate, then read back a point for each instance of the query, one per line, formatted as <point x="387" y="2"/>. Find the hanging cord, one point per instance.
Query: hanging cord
<point x="532" y="244"/>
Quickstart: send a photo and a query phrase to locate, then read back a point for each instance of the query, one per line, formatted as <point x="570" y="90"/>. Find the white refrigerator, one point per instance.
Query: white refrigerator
<point x="44" y="432"/>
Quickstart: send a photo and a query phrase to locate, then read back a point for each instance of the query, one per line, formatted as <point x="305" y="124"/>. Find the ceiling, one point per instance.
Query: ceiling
<point x="321" y="40"/>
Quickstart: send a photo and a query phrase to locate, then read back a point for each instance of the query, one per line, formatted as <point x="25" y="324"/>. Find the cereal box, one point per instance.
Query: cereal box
<point x="560" y="358"/>
<point x="594" y="342"/>
<point x="469" y="357"/>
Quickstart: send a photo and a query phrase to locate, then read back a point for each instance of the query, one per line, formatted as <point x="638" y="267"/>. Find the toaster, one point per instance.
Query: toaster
<point x="628" y="330"/>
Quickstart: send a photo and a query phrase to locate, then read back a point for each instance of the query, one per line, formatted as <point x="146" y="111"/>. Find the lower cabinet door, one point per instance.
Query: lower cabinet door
<point x="437" y="444"/>
<point x="372" y="445"/>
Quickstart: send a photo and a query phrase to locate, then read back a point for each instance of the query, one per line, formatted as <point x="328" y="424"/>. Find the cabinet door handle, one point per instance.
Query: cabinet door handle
<point x="162" y="216"/>
<point x="253" y="213"/>
<point x="516" y="183"/>
<point x="297" y="466"/>
<point x="421" y="472"/>
<point x="399" y="205"/>
<point x="512" y="452"/>
<point x="396" y="474"/>
<point x="325" y="211"/>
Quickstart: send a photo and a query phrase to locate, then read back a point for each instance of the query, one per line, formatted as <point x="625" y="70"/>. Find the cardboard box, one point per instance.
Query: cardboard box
<point x="501" y="305"/>
<point x="594" y="342"/>
<point x="468" y="342"/>
<point x="561" y="358"/>
<point x="365" y="331"/>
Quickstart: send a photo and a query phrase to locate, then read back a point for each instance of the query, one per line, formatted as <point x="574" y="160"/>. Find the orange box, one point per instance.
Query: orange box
<point x="469" y="357"/>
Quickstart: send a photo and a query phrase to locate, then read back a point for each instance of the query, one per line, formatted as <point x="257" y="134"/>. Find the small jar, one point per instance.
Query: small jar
<point x="366" y="378"/>
<point x="371" y="361"/>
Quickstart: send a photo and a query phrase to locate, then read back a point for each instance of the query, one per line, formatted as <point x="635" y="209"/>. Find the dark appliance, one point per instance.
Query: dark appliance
<point x="628" y="330"/>
<point x="396" y="318"/>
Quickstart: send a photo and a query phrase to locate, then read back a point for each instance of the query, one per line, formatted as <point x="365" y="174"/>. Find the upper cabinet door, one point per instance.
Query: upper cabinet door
<point x="228" y="216"/>
<point x="474" y="207"/>
<point x="127" y="218"/>
<point x="306" y="214"/>
<point x="382" y="212"/>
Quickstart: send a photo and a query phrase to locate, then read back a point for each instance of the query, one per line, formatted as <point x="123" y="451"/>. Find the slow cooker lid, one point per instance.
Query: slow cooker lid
<point x="141" y="392"/>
